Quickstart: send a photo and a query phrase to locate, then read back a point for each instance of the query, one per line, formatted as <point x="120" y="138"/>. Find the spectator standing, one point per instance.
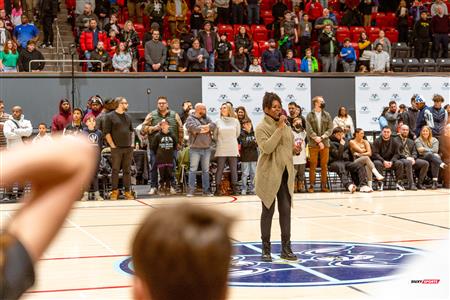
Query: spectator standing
<point x="386" y="154"/>
<point x="29" y="54"/>
<point x="200" y="128"/>
<point x="428" y="149"/>
<point x="314" y="9"/>
<point x="113" y="25"/>
<point x="366" y="7"/>
<point x="410" y="161"/>
<point x="249" y="156"/>
<point x="209" y="40"/>
<point x="122" y="59"/>
<point x="402" y="22"/>
<point x="63" y="117"/>
<point x="299" y="158"/>
<point x="276" y="144"/>
<point x="112" y="42"/>
<point x="436" y="117"/>
<point x="328" y="49"/>
<point x="226" y="134"/>
<point x="224" y="53"/>
<point x="118" y="134"/>
<point x="76" y="126"/>
<point x="3" y="118"/>
<point x="42" y="135"/>
<point x="421" y="34"/>
<point x="9" y="57"/>
<point x="48" y="10"/>
<point x="288" y="32"/>
<point x="438" y="4"/>
<point x="242" y="115"/>
<point x="272" y="58"/>
<point x="290" y="65"/>
<point x="349" y="58"/>
<point x="156" y="10"/>
<point x="278" y="10"/>
<point x="196" y="20"/>
<point x="237" y="11"/>
<point x="81" y="4"/>
<point x="83" y="19"/>
<point x="96" y="105"/>
<point x="416" y="10"/>
<point x="319" y="126"/>
<point x="25" y="32"/>
<point x="345" y="121"/>
<point x="379" y="60"/>
<point x="197" y="57"/>
<point x="305" y="31"/>
<point x="223" y="11"/>
<point x="176" y="13"/>
<point x="89" y="39"/>
<point x="4" y="35"/>
<point x="155" y="54"/>
<point x="384" y="41"/>
<point x="176" y="57"/>
<point x="102" y="55"/>
<point x="409" y="117"/>
<point x="253" y="7"/>
<point x="6" y="20"/>
<point x="363" y="43"/>
<point x="186" y="108"/>
<point x="103" y="11"/>
<point x="210" y="11"/>
<point x="392" y="116"/>
<point x="131" y="37"/>
<point x="135" y="9"/>
<point x="309" y="63"/>
<point x="440" y="28"/>
<point x="243" y="39"/>
<point x="16" y="128"/>
<point x="324" y="20"/>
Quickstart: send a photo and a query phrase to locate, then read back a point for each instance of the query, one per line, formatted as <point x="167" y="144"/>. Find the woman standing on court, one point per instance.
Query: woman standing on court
<point x="275" y="174"/>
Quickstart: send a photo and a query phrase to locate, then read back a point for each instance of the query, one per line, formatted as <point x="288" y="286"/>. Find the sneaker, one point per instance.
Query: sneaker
<point x="243" y="192"/>
<point x="50" y="46"/>
<point x="129" y="195"/>
<point x="189" y="195"/>
<point x="97" y="196"/>
<point x="365" y="189"/>
<point x="85" y="197"/>
<point x="434" y="186"/>
<point x="311" y="189"/>
<point x="380" y="185"/>
<point x="172" y="191"/>
<point x="399" y="187"/>
<point x="208" y="194"/>
<point x="352" y="188"/>
<point x="114" y="195"/>
<point x="420" y="186"/>
<point x="153" y="191"/>
<point x="43" y="46"/>
<point x="412" y="187"/>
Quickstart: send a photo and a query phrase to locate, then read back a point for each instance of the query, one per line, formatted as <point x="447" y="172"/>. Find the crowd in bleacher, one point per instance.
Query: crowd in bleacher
<point x="224" y="36"/>
<point x="412" y="151"/>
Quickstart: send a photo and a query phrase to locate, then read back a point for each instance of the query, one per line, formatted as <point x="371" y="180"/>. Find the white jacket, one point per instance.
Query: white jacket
<point x="15" y="130"/>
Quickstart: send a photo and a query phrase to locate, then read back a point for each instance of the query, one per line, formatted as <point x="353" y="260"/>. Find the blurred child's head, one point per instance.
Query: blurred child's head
<point x="197" y="8"/>
<point x="255" y="61"/>
<point x="347" y="43"/>
<point x="247" y="124"/>
<point x="42" y="128"/>
<point x="308" y="52"/>
<point x="112" y="33"/>
<point x="90" y="122"/>
<point x="164" y="126"/>
<point x="289" y="53"/>
<point x="77" y="114"/>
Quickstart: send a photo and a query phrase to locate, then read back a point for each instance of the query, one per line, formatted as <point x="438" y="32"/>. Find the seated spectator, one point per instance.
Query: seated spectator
<point x="176" y="15"/>
<point x="384" y="41"/>
<point x="348" y="55"/>
<point x="131" y="38"/>
<point x="156" y="10"/>
<point x="197" y="20"/>
<point x="428" y="149"/>
<point x="444" y="150"/>
<point x="421" y="34"/>
<point x="202" y="235"/>
<point x="26" y="56"/>
<point x="76" y="126"/>
<point x="440" y="28"/>
<point x="309" y="63"/>
<point x="363" y="43"/>
<point x="385" y="156"/>
<point x="113" y="25"/>
<point x="239" y="61"/>
<point x="103" y="11"/>
<point x="102" y="55"/>
<point x="299" y="132"/>
<point x="209" y="40"/>
<point x="176" y="57"/>
<point x="366" y="7"/>
<point x="272" y="58"/>
<point x="122" y="60"/>
<point x="255" y="67"/>
<point x="210" y="11"/>
<point x="224" y="53"/>
<point x="197" y="57"/>
<point x="402" y="22"/>
<point x="305" y="31"/>
<point x="89" y="39"/>
<point x="112" y="42"/>
<point x="9" y="57"/>
<point x="345" y="121"/>
<point x="155" y="54"/>
<point x="379" y="61"/>
<point x="83" y="20"/>
<point x="290" y="65"/>
<point x="416" y="10"/>
<point x="288" y="32"/>
<point x="328" y="49"/>
<point x="63" y="117"/>
<point x="16" y="128"/>
<point x="25" y="32"/>
<point x="4" y="35"/>
<point x="248" y="156"/>
<point x="96" y="108"/>
<point x="42" y="135"/>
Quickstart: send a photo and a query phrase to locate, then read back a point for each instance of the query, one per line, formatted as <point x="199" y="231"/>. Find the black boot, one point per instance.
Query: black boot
<point x="265" y="256"/>
<point x="286" y="251"/>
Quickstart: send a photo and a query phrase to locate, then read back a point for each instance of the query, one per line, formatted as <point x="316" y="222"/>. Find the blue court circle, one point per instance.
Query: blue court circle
<point x="320" y="264"/>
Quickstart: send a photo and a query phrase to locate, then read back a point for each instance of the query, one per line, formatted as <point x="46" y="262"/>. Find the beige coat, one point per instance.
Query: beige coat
<point x="276" y="146"/>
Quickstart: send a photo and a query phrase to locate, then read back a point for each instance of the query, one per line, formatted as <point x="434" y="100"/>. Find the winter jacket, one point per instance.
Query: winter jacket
<point x="272" y="60"/>
<point x="325" y="41"/>
<point x="203" y="35"/>
<point x="304" y="65"/>
<point x="249" y="147"/>
<point x="338" y="152"/>
<point x="87" y="39"/>
<point x="348" y="56"/>
<point x="422" y="30"/>
<point x="61" y="119"/>
<point x="386" y="150"/>
<point x="15" y="130"/>
<point x="24" y="61"/>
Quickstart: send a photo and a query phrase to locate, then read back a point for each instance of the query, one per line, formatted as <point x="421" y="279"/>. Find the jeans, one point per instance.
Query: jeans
<point x="148" y="68"/>
<point x="349" y="67"/>
<point x="121" y="159"/>
<point x="284" y="210"/>
<point x="438" y="40"/>
<point x="340" y="167"/>
<point x="435" y="161"/>
<point x="248" y="169"/>
<point x="329" y="63"/>
<point x="210" y="62"/>
<point x="253" y="14"/>
<point x="197" y="156"/>
<point x="408" y="167"/>
<point x="397" y="166"/>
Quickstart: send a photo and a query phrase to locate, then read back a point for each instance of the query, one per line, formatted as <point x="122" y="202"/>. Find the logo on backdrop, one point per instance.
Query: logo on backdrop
<point x="364" y="110"/>
<point x="385" y="86"/>
<point x="320" y="264"/>
<point x="212" y="111"/>
<point x="223" y="98"/>
<point x="301" y="86"/>
<point x="279" y="86"/>
<point x="374" y="97"/>
<point x="374" y="120"/>
<point x="246" y="98"/>
<point x="364" y="86"/>
<point x="290" y="98"/>
<point x="234" y="86"/>
<point x="426" y="86"/>
<point x="405" y="86"/>
<point x="395" y="97"/>
<point x="212" y="86"/>
<point x="257" y="111"/>
<point x="446" y="85"/>
<point x="257" y="86"/>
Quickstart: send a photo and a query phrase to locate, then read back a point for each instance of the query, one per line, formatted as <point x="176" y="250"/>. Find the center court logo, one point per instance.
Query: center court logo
<point x="385" y="86"/>
<point x="234" y="86"/>
<point x="320" y="264"/>
<point x="374" y="97"/>
<point x="246" y="98"/>
<point x="257" y="86"/>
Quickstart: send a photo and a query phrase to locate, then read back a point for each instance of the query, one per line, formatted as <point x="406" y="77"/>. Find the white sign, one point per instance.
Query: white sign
<point x="249" y="91"/>
<point x="374" y="93"/>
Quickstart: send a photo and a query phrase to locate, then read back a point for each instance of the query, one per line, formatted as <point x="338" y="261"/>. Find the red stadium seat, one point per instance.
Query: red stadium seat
<point x="392" y="35"/>
<point x="342" y="32"/>
<point x="266" y="15"/>
<point x="224" y="28"/>
<point x="255" y="49"/>
<point x="391" y="19"/>
<point x="140" y="29"/>
<point x="141" y="51"/>
<point x="263" y="46"/>
<point x="372" y="33"/>
<point x="381" y="20"/>
<point x="260" y="33"/>
<point x="355" y="46"/>
<point x="355" y="32"/>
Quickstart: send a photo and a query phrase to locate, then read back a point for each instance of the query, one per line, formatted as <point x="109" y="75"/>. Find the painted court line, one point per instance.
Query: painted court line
<point x="80" y="289"/>
<point x="111" y="250"/>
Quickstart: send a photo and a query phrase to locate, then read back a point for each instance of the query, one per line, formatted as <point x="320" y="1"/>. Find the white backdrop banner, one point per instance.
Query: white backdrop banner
<point x="374" y="93"/>
<point x="249" y="91"/>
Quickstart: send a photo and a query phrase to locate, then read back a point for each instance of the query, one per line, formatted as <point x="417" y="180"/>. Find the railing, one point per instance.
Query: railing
<point x="60" y="52"/>
<point x="63" y="61"/>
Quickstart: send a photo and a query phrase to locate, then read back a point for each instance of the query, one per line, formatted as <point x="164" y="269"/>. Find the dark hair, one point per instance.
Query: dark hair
<point x="338" y="130"/>
<point x="402" y="106"/>
<point x="446" y="106"/>
<point x="386" y="127"/>
<point x="346" y="40"/>
<point x="293" y="103"/>
<point x="78" y="109"/>
<point x="357" y="130"/>
<point x="392" y="102"/>
<point x="243" y="109"/>
<point x="438" y="97"/>
<point x="268" y="99"/>
<point x="162" y="97"/>
<point x="339" y="112"/>
<point x="183" y="252"/>
<point x="42" y="123"/>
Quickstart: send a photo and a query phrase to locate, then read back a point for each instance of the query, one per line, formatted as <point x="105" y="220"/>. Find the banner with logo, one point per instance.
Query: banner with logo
<point x="249" y="91"/>
<point x="374" y="93"/>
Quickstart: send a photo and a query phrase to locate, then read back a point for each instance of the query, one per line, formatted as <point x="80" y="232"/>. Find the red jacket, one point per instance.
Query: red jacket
<point x="314" y="10"/>
<point x="87" y="40"/>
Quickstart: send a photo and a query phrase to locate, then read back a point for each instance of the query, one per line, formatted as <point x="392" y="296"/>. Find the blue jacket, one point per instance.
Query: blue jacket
<point x="348" y="56"/>
<point x="304" y="65"/>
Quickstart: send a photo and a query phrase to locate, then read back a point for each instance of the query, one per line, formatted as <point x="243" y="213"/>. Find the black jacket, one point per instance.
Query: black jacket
<point x="338" y="152"/>
<point x="202" y="35"/>
<point x="249" y="147"/>
<point x="325" y="40"/>
<point x="421" y="30"/>
<point x="409" y="144"/>
<point x="48" y="8"/>
<point x="243" y="41"/>
<point x="24" y="61"/>
<point x="386" y="150"/>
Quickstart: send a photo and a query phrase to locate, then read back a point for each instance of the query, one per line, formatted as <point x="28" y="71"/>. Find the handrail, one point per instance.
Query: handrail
<point x="66" y="60"/>
<point x="60" y="53"/>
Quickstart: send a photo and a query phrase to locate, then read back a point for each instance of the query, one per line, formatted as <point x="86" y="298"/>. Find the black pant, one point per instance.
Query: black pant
<point x="397" y="166"/>
<point x="232" y="163"/>
<point x="421" y="166"/>
<point x="435" y="161"/>
<point x="421" y="48"/>
<point x="305" y="43"/>
<point x="438" y="40"/>
<point x="223" y="15"/>
<point x="47" y="23"/>
<point x="284" y="209"/>
<point x="403" y="34"/>
<point x="340" y="167"/>
<point x="121" y="159"/>
<point x="222" y="65"/>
